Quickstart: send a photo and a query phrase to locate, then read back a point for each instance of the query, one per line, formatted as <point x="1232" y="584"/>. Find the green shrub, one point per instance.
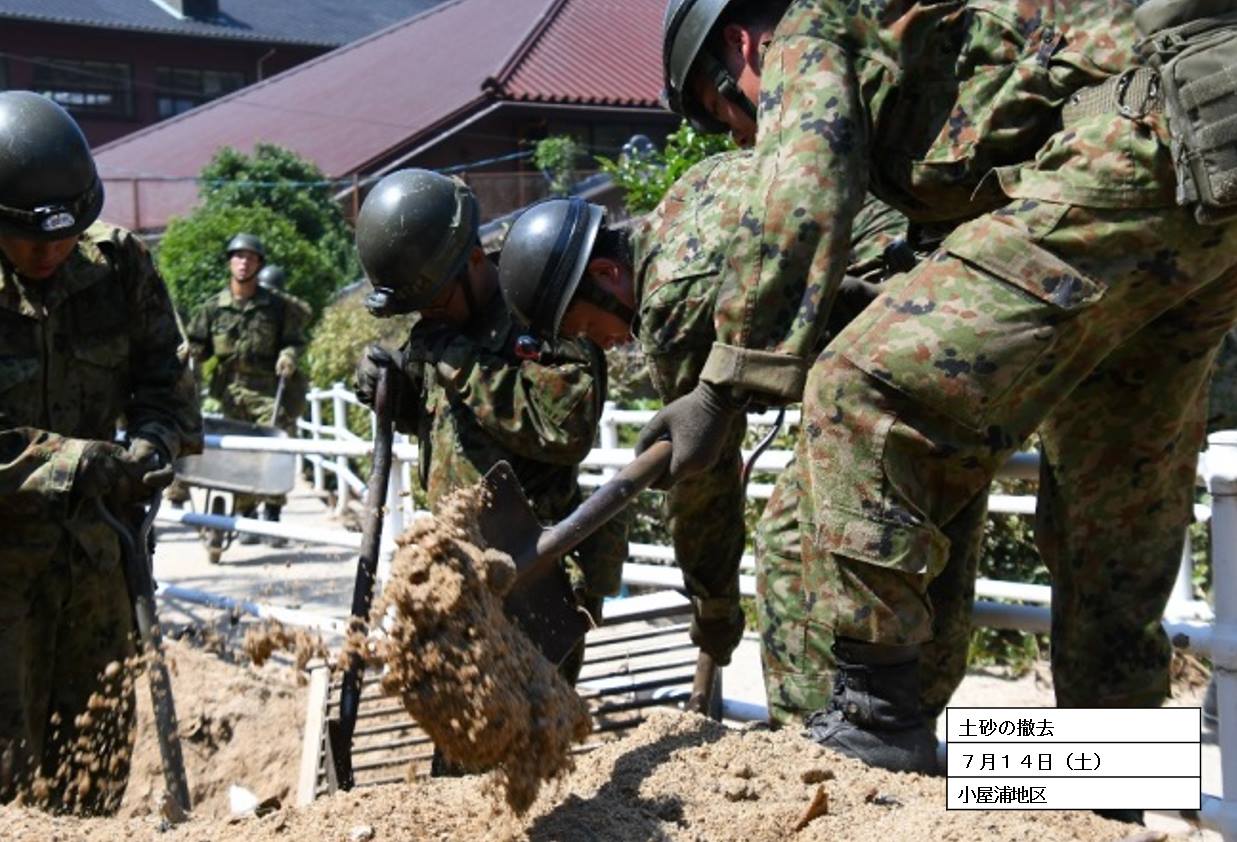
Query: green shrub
<point x="646" y="178"/>
<point x="192" y="261"/>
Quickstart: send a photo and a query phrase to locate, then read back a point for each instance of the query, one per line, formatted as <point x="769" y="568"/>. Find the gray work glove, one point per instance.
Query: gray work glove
<point x="371" y="363"/>
<point x="285" y="366"/>
<point x="696" y="425"/>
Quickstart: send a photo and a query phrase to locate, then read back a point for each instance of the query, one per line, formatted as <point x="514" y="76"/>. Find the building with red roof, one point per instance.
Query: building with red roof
<point x="468" y="86"/>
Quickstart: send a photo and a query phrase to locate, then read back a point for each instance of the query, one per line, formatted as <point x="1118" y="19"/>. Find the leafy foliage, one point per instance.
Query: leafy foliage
<point x="645" y="178"/>
<point x="279" y="179"/>
<point x="556" y="157"/>
<point x="279" y="197"/>
<point x="192" y="261"/>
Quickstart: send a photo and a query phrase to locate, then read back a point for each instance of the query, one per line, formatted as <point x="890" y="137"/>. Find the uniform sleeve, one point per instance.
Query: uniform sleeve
<point x="547" y="410"/>
<point x="198" y="334"/>
<point x="37" y="469"/>
<point x="793" y="240"/>
<point x="163" y="403"/>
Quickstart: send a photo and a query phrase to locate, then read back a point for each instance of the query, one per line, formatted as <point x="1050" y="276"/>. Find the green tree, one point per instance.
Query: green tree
<point x="556" y="156"/>
<point x="645" y="178"/>
<point x="192" y="260"/>
<point x="279" y="179"/>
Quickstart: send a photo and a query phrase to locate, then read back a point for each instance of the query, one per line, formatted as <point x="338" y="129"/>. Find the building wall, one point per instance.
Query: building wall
<point x="25" y="46"/>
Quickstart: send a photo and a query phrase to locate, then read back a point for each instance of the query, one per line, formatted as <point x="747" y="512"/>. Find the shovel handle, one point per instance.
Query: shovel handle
<point x="367" y="567"/>
<point x="601" y="506"/>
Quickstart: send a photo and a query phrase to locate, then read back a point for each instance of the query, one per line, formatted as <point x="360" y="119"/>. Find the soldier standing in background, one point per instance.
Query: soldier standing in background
<point x="88" y="336"/>
<point x="257" y="337"/>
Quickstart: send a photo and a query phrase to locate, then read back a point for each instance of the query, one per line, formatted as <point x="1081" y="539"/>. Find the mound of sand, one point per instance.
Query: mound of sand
<point x="238" y="725"/>
<point x="677" y="777"/>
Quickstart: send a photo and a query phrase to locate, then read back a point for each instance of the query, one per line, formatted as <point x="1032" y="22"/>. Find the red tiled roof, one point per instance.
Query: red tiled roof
<point x="597" y="52"/>
<point x="360" y="105"/>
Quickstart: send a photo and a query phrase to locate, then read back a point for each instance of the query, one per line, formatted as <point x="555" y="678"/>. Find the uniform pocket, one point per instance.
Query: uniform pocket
<point x="969" y="331"/>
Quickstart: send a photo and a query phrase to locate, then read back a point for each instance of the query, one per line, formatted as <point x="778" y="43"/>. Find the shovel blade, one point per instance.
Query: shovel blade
<point x="541" y="601"/>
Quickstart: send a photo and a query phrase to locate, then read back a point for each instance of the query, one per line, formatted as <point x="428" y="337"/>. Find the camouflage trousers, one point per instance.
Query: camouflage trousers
<point x="1096" y="326"/>
<point x="796" y="654"/>
<point x="63" y="620"/>
<point x="705" y="513"/>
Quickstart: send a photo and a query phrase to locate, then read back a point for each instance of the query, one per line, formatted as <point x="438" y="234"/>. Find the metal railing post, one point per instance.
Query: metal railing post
<point x="1220" y="462"/>
<point x="315" y="418"/>
<point x="340" y="425"/>
<point x="608" y="435"/>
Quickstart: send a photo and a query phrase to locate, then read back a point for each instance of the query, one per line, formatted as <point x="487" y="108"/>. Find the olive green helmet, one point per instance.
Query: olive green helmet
<point x="246" y="242"/>
<point x="272" y="277"/>
<point x="544" y="258"/>
<point x="685" y="30"/>
<point x="413" y="236"/>
<point x="49" y="187"/>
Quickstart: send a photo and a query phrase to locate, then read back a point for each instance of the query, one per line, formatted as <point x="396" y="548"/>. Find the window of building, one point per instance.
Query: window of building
<point x="99" y="88"/>
<point x="180" y="88"/>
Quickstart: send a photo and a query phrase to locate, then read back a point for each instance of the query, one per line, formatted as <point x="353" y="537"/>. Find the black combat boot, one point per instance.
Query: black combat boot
<point x="271" y="512"/>
<point x="874" y="714"/>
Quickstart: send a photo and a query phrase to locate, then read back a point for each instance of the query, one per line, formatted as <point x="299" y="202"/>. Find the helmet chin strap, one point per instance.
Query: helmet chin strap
<point x="727" y="85"/>
<point x="606" y="300"/>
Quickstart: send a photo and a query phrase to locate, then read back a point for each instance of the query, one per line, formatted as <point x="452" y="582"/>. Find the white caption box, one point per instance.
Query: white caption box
<point x="1074" y="759"/>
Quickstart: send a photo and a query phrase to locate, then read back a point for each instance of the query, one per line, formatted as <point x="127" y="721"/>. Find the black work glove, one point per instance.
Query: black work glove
<point x="696" y="425"/>
<point x="157" y="469"/>
<point x="717" y="635"/>
<point x="109" y="471"/>
<point x="371" y="363"/>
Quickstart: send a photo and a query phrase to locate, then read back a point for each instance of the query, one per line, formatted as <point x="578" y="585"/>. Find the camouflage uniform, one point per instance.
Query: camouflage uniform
<point x="78" y="351"/>
<point x="247" y="338"/>
<point x="485" y="405"/>
<point x="677" y="254"/>
<point x="1078" y="299"/>
<point x="1222" y="406"/>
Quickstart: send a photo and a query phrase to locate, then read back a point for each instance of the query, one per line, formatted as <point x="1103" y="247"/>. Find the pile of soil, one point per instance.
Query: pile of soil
<point x="469" y="677"/>
<point x="238" y="725"/>
<point x="677" y="777"/>
<point x="264" y="639"/>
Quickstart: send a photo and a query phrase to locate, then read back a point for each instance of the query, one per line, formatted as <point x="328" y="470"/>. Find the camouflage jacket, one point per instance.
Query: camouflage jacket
<point x="678" y="251"/>
<point x="90" y="348"/>
<point x="917" y="102"/>
<point x="488" y="405"/>
<point x="247" y="337"/>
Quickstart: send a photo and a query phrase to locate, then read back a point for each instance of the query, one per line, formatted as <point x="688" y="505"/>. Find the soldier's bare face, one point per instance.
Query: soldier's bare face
<point x="742" y="127"/>
<point x="244" y="265"/>
<point x="37" y="259"/>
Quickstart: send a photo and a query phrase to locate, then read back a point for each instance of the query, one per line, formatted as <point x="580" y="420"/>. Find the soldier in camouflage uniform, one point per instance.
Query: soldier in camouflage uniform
<point x="466" y="391"/>
<point x="1073" y="296"/>
<point x="87" y="337"/>
<point x="257" y="337"/>
<point x="273" y="279"/>
<point x="667" y="270"/>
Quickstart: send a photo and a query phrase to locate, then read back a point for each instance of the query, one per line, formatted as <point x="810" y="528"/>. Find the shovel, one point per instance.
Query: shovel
<point x="540" y="600"/>
<point x="135" y="549"/>
<point x="340" y="731"/>
<point x="278" y="403"/>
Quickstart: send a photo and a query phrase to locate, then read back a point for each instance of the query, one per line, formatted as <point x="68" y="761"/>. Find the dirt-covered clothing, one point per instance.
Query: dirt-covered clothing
<point x="90" y="348"/>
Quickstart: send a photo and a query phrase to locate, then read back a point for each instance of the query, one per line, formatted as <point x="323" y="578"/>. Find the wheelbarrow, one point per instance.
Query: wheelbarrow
<point x="232" y="472"/>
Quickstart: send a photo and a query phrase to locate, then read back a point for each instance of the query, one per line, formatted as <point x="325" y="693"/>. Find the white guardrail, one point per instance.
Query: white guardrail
<point x="328" y="447"/>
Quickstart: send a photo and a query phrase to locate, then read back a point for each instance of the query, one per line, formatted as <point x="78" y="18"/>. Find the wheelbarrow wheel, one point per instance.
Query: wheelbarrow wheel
<point x="214" y="544"/>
